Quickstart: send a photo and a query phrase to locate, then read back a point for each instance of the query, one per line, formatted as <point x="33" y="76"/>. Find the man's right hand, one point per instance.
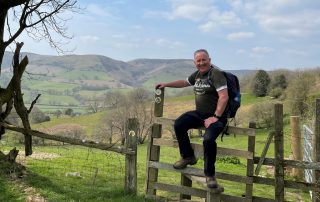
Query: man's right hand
<point x="160" y="85"/>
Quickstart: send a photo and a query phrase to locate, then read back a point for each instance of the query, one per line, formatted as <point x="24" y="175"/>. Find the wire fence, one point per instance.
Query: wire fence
<point x="308" y="153"/>
<point x="72" y="173"/>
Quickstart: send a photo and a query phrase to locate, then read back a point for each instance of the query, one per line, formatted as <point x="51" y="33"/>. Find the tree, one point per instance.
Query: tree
<point x="123" y="107"/>
<point x="39" y="19"/>
<point x="69" y="112"/>
<point x="140" y="110"/>
<point x="37" y="116"/>
<point x="278" y="85"/>
<point x="279" y="81"/>
<point x="260" y="83"/>
<point x="298" y="91"/>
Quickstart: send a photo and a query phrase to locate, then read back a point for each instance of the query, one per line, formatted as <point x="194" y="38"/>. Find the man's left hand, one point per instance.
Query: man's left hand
<point x="209" y="121"/>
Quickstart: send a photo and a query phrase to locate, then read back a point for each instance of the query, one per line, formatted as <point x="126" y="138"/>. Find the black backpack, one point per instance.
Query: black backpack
<point x="234" y="101"/>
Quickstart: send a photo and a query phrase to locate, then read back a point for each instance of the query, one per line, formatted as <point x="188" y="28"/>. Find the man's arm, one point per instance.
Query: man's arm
<point x="222" y="102"/>
<point x="221" y="105"/>
<point x="173" y="84"/>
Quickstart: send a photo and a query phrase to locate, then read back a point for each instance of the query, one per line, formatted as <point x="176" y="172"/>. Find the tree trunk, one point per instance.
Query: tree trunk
<point x="3" y="15"/>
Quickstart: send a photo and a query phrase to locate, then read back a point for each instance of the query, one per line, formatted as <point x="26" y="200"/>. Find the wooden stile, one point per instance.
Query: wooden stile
<point x="278" y="152"/>
<point x="190" y="174"/>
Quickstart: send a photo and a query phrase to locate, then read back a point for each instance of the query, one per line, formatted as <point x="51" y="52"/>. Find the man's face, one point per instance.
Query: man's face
<point x="202" y="62"/>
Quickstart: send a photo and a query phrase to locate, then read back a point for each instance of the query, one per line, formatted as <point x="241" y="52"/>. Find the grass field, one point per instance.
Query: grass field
<point x="85" y="75"/>
<point x="48" y="177"/>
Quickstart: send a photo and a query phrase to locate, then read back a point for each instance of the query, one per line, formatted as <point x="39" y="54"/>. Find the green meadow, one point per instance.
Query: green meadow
<point x="102" y="173"/>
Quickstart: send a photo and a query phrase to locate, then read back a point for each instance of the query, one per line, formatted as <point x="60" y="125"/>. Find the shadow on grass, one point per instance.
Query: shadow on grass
<point x="8" y="191"/>
<point x="75" y="189"/>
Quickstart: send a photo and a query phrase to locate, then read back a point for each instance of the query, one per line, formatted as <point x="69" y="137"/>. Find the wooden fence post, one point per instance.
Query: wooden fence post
<point x="296" y="141"/>
<point x="153" y="153"/>
<point x="131" y="159"/>
<point x="316" y="194"/>
<point x="250" y="164"/>
<point x="279" y="153"/>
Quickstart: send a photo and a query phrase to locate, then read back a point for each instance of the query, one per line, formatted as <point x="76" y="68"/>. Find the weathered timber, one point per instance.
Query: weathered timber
<point x="264" y="152"/>
<point x="250" y="164"/>
<point x="12" y="155"/>
<point x="153" y="152"/>
<point x="180" y="189"/>
<point x="198" y="148"/>
<point x="279" y="153"/>
<point x="186" y="182"/>
<point x="297" y="149"/>
<point x="290" y="163"/>
<point x="131" y="159"/>
<point x="231" y="129"/>
<point x="199" y="172"/>
<point x="86" y="143"/>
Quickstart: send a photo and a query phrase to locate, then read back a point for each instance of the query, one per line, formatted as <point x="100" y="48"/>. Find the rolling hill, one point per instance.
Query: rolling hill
<point x="72" y="80"/>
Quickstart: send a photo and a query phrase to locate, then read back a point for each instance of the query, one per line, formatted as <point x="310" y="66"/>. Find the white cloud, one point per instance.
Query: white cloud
<point x="205" y="12"/>
<point x="295" y="53"/>
<point x="126" y="45"/>
<point x="261" y="50"/>
<point x="301" y="24"/>
<point x="283" y="18"/>
<point x="88" y="39"/>
<point x="99" y="10"/>
<point x="240" y="36"/>
<point x="166" y="43"/>
<point x="241" y="51"/>
<point x="193" y="11"/>
<point x="219" y="20"/>
<point x="118" y="36"/>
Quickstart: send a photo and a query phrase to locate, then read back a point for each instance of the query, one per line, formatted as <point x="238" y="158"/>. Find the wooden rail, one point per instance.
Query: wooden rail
<point x="190" y="174"/>
<point x="130" y="150"/>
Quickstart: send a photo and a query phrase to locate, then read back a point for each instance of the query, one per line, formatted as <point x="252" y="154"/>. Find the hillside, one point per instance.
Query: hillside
<point x="72" y="80"/>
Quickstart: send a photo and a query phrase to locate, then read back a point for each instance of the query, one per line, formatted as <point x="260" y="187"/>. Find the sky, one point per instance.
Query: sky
<point x="239" y="34"/>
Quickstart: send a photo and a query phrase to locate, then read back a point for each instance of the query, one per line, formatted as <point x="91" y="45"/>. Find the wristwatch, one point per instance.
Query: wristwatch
<point x="216" y="116"/>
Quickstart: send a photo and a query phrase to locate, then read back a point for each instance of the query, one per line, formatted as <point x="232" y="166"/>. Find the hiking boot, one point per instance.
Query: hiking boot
<point x="212" y="182"/>
<point x="183" y="162"/>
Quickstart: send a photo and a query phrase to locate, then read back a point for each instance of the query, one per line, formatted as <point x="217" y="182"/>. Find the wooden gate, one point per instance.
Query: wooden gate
<point x="191" y="174"/>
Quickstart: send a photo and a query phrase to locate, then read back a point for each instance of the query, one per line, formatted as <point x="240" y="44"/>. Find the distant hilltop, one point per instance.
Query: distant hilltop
<point x="139" y="72"/>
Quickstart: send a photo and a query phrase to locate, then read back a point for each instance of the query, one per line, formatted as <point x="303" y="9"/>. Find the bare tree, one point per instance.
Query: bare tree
<point x="138" y="99"/>
<point x="123" y="107"/>
<point x="39" y="19"/>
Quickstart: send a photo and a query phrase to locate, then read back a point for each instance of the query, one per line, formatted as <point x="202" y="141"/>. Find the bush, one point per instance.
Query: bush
<point x="228" y="159"/>
<point x="276" y="92"/>
<point x="262" y="114"/>
<point x="260" y="83"/>
<point x="37" y="116"/>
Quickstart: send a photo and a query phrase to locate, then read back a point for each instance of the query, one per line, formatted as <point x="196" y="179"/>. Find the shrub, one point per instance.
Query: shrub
<point x="262" y="114"/>
<point x="228" y="159"/>
<point x="37" y="116"/>
<point x="276" y="92"/>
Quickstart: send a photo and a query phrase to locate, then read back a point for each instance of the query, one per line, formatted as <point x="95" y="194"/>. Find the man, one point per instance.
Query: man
<point x="211" y="98"/>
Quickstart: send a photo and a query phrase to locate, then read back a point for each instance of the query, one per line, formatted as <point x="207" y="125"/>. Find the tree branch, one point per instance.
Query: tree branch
<point x="33" y="103"/>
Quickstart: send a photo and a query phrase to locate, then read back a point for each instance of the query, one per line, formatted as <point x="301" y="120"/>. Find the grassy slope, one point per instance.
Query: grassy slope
<point x="52" y="185"/>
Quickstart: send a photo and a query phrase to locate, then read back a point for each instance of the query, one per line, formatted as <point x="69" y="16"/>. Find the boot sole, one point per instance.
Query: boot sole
<point x="179" y="168"/>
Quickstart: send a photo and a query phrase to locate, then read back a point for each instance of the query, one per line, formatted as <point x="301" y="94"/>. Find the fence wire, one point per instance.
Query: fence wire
<point x="72" y="169"/>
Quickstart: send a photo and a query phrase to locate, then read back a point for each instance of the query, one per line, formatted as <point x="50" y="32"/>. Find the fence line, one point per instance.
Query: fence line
<point x="279" y="163"/>
<point x="129" y="150"/>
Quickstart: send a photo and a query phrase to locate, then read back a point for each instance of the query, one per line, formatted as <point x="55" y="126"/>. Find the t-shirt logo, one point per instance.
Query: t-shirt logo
<point x="201" y="86"/>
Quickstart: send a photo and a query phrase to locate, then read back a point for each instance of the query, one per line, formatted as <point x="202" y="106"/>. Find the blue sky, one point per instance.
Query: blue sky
<point x="239" y="34"/>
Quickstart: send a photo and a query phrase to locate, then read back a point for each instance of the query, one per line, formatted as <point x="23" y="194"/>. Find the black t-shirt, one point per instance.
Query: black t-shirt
<point x="206" y="94"/>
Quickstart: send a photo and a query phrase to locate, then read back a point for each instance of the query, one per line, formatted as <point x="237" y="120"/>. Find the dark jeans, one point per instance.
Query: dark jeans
<point x="195" y="119"/>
